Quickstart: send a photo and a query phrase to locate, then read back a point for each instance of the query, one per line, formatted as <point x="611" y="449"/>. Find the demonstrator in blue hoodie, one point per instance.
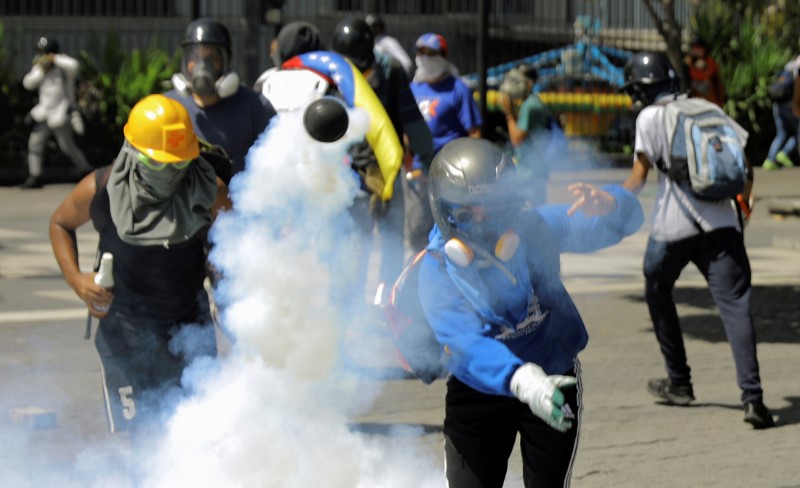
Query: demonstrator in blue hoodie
<point x="490" y="289"/>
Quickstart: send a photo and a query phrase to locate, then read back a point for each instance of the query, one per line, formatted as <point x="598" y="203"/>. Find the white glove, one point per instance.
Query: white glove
<point x="531" y="385"/>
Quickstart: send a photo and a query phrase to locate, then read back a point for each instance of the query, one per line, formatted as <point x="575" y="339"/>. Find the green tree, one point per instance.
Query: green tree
<point x="663" y="14"/>
<point x="751" y="42"/>
<point x="112" y="81"/>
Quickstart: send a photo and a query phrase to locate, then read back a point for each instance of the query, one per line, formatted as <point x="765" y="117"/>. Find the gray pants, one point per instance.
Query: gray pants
<point x="722" y="259"/>
<point x="418" y="216"/>
<point x="36" y="145"/>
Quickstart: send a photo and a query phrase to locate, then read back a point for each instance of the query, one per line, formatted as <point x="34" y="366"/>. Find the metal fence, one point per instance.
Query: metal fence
<point x="516" y="29"/>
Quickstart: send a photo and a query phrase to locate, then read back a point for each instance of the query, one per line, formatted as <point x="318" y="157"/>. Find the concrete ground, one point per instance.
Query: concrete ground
<point x="628" y="438"/>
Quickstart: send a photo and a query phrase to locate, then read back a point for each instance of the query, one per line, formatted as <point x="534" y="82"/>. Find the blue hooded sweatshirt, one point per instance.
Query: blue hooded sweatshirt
<point x="488" y="325"/>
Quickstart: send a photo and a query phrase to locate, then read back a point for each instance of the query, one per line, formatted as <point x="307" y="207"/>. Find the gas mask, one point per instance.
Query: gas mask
<point x="205" y="71"/>
<point x="483" y="230"/>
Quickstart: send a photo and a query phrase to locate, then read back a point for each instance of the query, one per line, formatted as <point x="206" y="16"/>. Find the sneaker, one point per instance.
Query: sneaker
<point x="32" y="182"/>
<point x="784" y="159"/>
<point x="673" y="394"/>
<point x="769" y="165"/>
<point x="758" y="415"/>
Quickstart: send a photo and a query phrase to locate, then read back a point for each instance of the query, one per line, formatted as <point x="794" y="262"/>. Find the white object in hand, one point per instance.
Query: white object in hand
<point x="105" y="276"/>
<point x="531" y="385"/>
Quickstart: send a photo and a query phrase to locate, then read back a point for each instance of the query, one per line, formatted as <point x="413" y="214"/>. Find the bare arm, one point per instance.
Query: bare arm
<point x="223" y="201"/>
<point x="638" y="177"/>
<point x="71" y="214"/>
<point x="515" y="134"/>
<point x="474" y="132"/>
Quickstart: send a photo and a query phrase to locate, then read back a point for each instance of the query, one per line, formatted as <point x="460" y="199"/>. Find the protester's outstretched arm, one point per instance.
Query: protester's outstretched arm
<point x="71" y="214"/>
<point x="590" y="200"/>
<point x="601" y="217"/>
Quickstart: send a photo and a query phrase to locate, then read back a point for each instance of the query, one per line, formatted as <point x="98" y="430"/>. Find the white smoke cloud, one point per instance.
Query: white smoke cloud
<point x="275" y="412"/>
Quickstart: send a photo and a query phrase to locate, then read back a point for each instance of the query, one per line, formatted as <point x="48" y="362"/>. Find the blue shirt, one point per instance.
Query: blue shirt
<point x="448" y="108"/>
<point x="489" y="325"/>
<point x="234" y="123"/>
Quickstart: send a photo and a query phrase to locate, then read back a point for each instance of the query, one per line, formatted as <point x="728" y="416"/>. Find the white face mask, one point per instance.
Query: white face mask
<point x="430" y="68"/>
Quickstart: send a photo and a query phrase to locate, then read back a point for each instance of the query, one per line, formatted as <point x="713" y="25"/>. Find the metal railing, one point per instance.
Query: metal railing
<point x="517" y="28"/>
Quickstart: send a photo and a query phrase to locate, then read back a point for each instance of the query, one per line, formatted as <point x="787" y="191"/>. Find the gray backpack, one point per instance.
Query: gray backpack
<point x="706" y="156"/>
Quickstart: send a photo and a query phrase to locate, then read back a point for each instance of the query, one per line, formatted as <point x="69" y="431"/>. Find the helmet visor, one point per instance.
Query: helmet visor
<point x="465" y="215"/>
<point x="210" y="58"/>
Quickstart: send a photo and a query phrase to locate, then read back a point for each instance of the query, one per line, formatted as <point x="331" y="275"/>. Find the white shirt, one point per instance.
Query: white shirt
<point x="391" y="47"/>
<point x="670" y="222"/>
<point x="56" y="89"/>
<point x="291" y="89"/>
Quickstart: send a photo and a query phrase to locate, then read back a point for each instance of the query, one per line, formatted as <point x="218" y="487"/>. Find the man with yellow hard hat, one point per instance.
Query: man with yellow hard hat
<point x="152" y="209"/>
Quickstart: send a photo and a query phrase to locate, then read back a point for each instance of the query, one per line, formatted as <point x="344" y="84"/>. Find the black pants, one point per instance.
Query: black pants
<point x="721" y="258"/>
<point x="481" y="430"/>
<point x="141" y="368"/>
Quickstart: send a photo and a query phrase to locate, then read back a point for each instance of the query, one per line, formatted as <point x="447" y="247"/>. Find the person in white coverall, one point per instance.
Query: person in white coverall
<point x="53" y="75"/>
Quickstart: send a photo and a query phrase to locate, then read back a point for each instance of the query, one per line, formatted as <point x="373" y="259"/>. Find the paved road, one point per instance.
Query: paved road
<point x="628" y="439"/>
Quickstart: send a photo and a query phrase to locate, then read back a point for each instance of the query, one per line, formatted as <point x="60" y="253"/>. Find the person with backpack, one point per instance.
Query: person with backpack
<point x="152" y="209"/>
<point x="53" y="76"/>
<point x="695" y="221"/>
<point x="786" y="124"/>
<point x="531" y="128"/>
<point x="353" y="38"/>
<point x="508" y="330"/>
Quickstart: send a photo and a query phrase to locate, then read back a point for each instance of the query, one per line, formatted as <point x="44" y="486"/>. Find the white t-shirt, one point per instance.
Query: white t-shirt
<point x="291" y="89"/>
<point x="670" y="221"/>
<point x="391" y="46"/>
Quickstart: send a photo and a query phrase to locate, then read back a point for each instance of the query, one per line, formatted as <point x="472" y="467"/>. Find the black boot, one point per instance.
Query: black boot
<point x="32" y="182"/>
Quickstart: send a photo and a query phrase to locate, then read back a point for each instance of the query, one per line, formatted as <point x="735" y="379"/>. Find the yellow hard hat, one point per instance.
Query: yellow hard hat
<point x="160" y="127"/>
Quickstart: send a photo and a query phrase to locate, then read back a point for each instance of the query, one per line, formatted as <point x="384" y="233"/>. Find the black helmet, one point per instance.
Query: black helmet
<point x="297" y="38"/>
<point x="207" y="46"/>
<point x="469" y="172"/>
<point x="353" y="39"/>
<point x="47" y="45"/>
<point x="648" y="75"/>
<point x="375" y="22"/>
<point x="207" y="31"/>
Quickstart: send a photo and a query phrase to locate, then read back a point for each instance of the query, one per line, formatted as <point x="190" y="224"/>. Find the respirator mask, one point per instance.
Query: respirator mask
<point x="205" y="70"/>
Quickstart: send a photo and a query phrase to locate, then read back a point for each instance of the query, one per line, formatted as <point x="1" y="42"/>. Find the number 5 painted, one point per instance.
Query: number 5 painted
<point x="128" y="405"/>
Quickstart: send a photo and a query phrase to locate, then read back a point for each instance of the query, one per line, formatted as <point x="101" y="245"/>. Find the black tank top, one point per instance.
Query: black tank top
<point x="162" y="282"/>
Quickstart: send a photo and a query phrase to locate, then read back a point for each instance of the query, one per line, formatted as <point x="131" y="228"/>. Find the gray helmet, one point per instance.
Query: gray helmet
<point x="470" y="172"/>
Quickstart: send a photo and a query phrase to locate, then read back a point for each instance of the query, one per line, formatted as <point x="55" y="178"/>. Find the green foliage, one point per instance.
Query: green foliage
<point x="112" y="82"/>
<point x="751" y="44"/>
<point x="12" y="141"/>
